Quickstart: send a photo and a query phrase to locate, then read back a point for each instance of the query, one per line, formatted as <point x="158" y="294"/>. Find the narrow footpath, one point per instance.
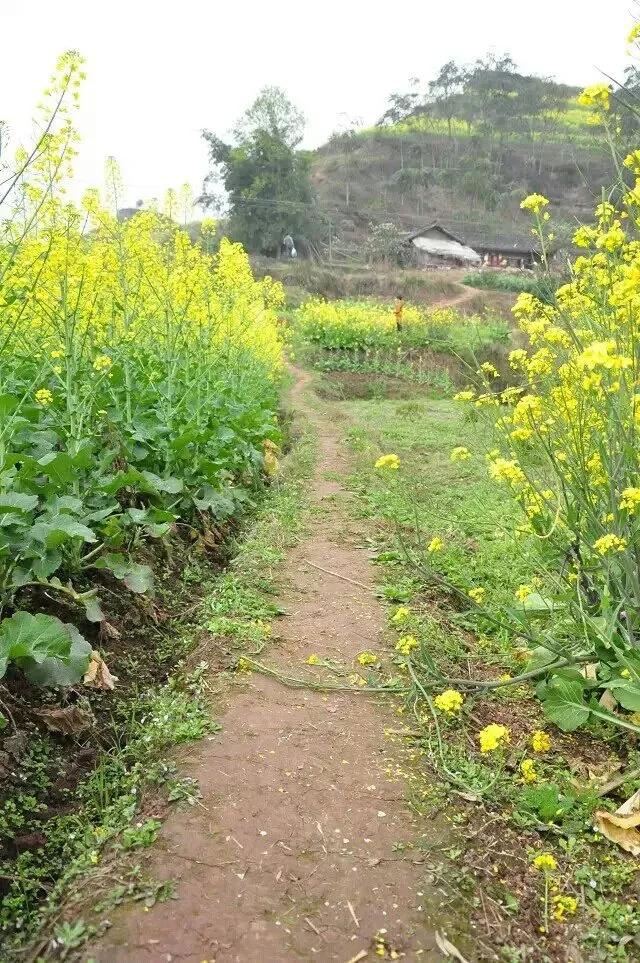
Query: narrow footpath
<point x="291" y="856"/>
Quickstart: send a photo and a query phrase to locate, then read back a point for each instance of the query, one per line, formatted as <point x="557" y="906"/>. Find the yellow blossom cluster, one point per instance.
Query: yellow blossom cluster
<point x="450" y="702"/>
<point x="568" y="431"/>
<point x="544" y="862"/>
<point x="406" y="644"/>
<point x="388" y="462"/>
<point x="493" y="736"/>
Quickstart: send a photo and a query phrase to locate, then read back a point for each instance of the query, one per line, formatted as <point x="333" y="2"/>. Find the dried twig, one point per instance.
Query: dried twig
<point x="359" y="956"/>
<point x="353" y="915"/>
<point x="345" y="578"/>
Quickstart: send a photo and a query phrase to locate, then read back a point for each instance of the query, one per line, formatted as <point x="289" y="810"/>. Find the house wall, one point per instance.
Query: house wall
<point x="426" y="259"/>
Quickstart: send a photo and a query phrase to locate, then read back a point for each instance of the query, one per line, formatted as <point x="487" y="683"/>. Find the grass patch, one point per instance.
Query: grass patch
<point x="542" y="286"/>
<point x="588" y="895"/>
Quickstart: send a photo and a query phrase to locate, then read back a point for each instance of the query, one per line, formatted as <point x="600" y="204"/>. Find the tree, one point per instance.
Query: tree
<point x="347" y="141"/>
<point x="401" y="106"/>
<point x="384" y="242"/>
<point x="264" y="177"/>
<point x="444" y="91"/>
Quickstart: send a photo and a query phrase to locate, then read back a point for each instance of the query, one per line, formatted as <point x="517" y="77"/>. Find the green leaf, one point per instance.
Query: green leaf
<point x="49" y="651"/>
<point x="67" y="503"/>
<point x="171" y="485"/>
<point x="536" y="604"/>
<point x="132" y="478"/>
<point x="46" y="564"/>
<point x="138" y="515"/>
<point x="139" y="579"/>
<point x="51" y="529"/>
<point x="58" y="466"/>
<point x="65" y="671"/>
<point x="627" y="693"/>
<point x="17" y="501"/>
<point x="93" y="609"/>
<point x="564" y="703"/>
<point x="8" y="404"/>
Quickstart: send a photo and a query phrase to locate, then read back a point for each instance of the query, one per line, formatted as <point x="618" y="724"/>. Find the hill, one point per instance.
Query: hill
<point x="466" y="158"/>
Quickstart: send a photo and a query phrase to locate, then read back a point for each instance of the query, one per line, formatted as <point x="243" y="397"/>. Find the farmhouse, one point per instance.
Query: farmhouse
<point x="433" y="246"/>
<point x="506" y="250"/>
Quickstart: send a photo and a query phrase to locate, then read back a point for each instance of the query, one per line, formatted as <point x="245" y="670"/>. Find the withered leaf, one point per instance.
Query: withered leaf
<point x="69" y="721"/>
<point x="97" y="675"/>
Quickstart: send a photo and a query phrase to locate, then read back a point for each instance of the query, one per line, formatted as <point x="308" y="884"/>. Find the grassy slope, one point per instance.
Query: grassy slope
<point x="505" y="822"/>
<point x="570" y="166"/>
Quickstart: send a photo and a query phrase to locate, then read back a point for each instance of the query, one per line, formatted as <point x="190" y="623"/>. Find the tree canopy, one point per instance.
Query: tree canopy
<point x="264" y="177"/>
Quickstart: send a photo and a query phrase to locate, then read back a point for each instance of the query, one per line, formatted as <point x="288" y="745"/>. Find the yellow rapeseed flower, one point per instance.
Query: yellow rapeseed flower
<point x="544" y="862"/>
<point x="391" y="462"/>
<point x="401" y="615"/>
<point x="477" y="594"/>
<point x="528" y="770"/>
<point x="44" y="397"/>
<point x="102" y="363"/>
<point x="540" y="741"/>
<point x="435" y="545"/>
<point x="563" y="906"/>
<point x="596" y="96"/>
<point x="406" y="644"/>
<point x="367" y="658"/>
<point x="460" y="454"/>
<point x="523" y="592"/>
<point x="609" y="543"/>
<point x="450" y="701"/>
<point x="467" y="395"/>
<point x="493" y="737"/>
<point x="313" y="659"/>
<point x="630" y="500"/>
<point x="534" y="203"/>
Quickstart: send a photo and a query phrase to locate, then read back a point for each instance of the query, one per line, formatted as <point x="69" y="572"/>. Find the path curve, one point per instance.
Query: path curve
<point x="293" y="857"/>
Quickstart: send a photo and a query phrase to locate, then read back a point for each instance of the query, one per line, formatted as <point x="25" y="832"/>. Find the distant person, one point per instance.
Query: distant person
<point x="294" y="253"/>
<point x="287" y="245"/>
<point x="398" y="310"/>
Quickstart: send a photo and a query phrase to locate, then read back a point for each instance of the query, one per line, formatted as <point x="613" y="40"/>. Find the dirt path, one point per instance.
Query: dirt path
<point x="293" y="857"/>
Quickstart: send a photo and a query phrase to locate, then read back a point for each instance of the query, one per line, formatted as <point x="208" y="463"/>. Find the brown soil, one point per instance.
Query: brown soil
<point x="291" y="855"/>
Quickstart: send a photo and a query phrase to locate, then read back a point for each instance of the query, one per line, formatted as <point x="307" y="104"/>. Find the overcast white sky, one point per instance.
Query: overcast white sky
<point x="159" y="71"/>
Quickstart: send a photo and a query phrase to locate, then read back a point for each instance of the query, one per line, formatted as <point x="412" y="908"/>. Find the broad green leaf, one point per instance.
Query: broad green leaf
<point x="564" y="704"/>
<point x="8" y="404"/>
<point x="52" y="531"/>
<point x="536" y="604"/>
<point x="58" y="466"/>
<point x="63" y="671"/>
<point x="627" y="693"/>
<point x="41" y="640"/>
<point x="117" y="564"/>
<point x="158" y="530"/>
<point x="171" y="485"/>
<point x="66" y="503"/>
<point x="138" y="515"/>
<point x="46" y="564"/>
<point x="17" y="501"/>
<point x="132" y="478"/>
<point x="139" y="579"/>
<point x="93" y="609"/>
